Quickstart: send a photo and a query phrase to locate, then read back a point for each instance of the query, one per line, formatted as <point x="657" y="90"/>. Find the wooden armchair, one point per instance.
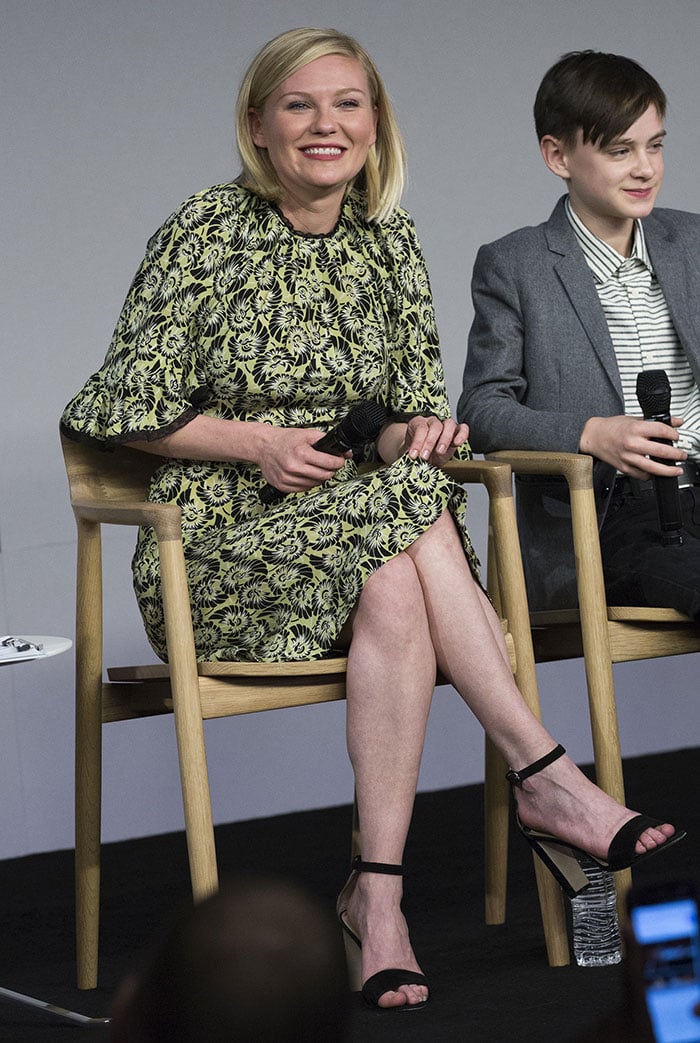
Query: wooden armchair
<point x="600" y="633"/>
<point x="110" y="488"/>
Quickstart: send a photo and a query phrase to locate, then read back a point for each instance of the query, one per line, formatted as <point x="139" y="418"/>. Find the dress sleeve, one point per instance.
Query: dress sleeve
<point x="149" y="383"/>
<point x="416" y="380"/>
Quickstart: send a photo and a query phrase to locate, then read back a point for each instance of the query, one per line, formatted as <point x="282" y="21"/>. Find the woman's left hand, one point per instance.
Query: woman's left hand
<point x="434" y="440"/>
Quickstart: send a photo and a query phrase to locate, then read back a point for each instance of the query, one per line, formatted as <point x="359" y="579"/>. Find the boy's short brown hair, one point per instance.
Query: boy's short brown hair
<point x="600" y="94"/>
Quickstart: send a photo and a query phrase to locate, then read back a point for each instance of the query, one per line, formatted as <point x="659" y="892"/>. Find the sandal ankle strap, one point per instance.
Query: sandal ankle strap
<point x="516" y="778"/>
<point x="376" y="867"/>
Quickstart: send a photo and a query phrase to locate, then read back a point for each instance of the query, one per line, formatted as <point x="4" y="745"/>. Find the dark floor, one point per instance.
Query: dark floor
<point x="487" y="983"/>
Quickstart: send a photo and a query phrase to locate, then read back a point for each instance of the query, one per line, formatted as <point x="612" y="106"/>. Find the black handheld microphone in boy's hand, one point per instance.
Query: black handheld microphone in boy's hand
<point x="654" y="396"/>
<point x="360" y="426"/>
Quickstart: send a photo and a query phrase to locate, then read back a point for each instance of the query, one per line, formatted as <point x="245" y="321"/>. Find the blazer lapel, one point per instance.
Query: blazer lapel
<point x="679" y="279"/>
<point x="577" y="280"/>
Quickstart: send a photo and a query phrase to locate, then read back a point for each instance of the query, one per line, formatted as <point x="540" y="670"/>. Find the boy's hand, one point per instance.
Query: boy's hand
<point x="627" y="443"/>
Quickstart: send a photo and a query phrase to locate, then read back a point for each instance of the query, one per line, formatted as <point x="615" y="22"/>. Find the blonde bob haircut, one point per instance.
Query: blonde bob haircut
<point x="382" y="177"/>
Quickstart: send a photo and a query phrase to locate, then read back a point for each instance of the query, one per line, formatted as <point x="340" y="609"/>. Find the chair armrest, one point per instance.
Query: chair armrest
<point x="166" y="521"/>
<point x="164" y="518"/>
<point x="577" y="468"/>
<point x="494" y="474"/>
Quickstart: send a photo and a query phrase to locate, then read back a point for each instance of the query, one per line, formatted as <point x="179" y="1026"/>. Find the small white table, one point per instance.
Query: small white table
<point x="13" y="650"/>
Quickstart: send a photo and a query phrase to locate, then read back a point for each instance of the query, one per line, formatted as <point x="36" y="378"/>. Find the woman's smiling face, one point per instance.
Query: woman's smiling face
<point x="317" y="128"/>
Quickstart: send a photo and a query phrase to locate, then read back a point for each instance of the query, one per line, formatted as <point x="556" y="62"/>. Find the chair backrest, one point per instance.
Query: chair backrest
<point x="114" y="474"/>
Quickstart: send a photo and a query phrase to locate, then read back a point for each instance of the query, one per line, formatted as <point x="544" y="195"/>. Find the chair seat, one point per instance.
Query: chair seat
<point x="633" y="633"/>
<point x="233" y="688"/>
<point x="634" y="614"/>
<point x="616" y="613"/>
<point x="224" y="689"/>
<point x="214" y="668"/>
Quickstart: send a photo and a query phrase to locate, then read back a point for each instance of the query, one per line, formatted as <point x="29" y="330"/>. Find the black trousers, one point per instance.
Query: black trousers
<point x="638" y="568"/>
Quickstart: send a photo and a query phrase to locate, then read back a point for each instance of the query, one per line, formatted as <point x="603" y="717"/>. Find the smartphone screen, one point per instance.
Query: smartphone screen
<point x="668" y="935"/>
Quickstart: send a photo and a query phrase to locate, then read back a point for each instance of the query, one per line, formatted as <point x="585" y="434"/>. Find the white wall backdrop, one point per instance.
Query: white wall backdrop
<point x="113" y="112"/>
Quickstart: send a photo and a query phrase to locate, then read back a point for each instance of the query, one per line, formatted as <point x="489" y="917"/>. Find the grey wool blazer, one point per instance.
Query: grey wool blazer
<point x="540" y="362"/>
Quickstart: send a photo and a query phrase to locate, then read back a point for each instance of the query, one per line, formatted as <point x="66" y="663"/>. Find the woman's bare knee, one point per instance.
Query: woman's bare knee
<point x="393" y="592"/>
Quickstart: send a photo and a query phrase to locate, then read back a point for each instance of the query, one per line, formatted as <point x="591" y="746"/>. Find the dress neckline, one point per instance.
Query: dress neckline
<point x="307" y="235"/>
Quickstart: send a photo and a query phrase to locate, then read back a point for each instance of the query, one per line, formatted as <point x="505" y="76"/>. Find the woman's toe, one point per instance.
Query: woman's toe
<point x="406" y="994"/>
<point x="654" y="837"/>
<point x="415" y="994"/>
<point x="393" y="999"/>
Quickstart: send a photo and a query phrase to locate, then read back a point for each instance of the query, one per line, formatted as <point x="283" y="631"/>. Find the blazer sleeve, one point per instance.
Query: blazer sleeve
<point x="511" y="393"/>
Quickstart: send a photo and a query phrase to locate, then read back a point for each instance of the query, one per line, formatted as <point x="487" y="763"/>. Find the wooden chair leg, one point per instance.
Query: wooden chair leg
<point x="595" y="634"/>
<point x="607" y="752"/>
<point x="553" y="911"/>
<point x="551" y="899"/>
<point x="87" y="849"/>
<point x="189" y="727"/>
<point x="88" y="752"/>
<point x="199" y="826"/>
<point x="623" y="882"/>
<point x="505" y="568"/>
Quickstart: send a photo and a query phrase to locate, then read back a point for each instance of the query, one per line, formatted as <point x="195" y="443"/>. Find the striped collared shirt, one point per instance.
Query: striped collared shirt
<point x="640" y="326"/>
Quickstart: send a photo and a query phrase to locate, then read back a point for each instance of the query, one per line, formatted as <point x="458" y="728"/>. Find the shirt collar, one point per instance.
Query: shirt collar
<point x="601" y="258"/>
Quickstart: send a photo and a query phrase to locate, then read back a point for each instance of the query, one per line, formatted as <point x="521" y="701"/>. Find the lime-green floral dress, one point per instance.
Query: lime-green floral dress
<point x="235" y="314"/>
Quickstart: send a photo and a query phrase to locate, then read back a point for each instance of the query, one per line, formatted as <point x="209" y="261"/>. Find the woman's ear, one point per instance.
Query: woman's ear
<point x="256" y="129"/>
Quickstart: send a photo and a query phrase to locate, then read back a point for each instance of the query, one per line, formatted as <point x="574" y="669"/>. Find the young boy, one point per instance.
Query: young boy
<point x="569" y="312"/>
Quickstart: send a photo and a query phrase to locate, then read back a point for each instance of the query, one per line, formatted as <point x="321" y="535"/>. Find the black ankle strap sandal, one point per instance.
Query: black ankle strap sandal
<point x="385" y="868"/>
<point x="516" y="778"/>
<point x="563" y="859"/>
<point x="392" y="978"/>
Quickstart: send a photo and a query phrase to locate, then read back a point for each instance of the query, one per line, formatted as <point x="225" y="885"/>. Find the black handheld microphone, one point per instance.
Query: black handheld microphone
<point x="654" y="395"/>
<point x="360" y="426"/>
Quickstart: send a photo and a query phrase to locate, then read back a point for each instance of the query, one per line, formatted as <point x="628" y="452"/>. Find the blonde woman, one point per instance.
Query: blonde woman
<point x="264" y="312"/>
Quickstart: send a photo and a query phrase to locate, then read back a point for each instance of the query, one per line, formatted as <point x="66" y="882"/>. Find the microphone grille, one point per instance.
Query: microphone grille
<point x="653" y="392"/>
<point x="367" y="419"/>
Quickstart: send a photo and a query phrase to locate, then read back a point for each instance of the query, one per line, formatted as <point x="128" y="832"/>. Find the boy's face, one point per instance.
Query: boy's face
<point x="611" y="186"/>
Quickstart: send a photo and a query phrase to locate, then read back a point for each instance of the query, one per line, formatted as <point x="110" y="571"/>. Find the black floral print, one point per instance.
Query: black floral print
<point x="235" y="314"/>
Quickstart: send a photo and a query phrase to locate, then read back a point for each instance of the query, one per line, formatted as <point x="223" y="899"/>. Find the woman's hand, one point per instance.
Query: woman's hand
<point x="423" y="437"/>
<point x="285" y="455"/>
<point x="289" y="461"/>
